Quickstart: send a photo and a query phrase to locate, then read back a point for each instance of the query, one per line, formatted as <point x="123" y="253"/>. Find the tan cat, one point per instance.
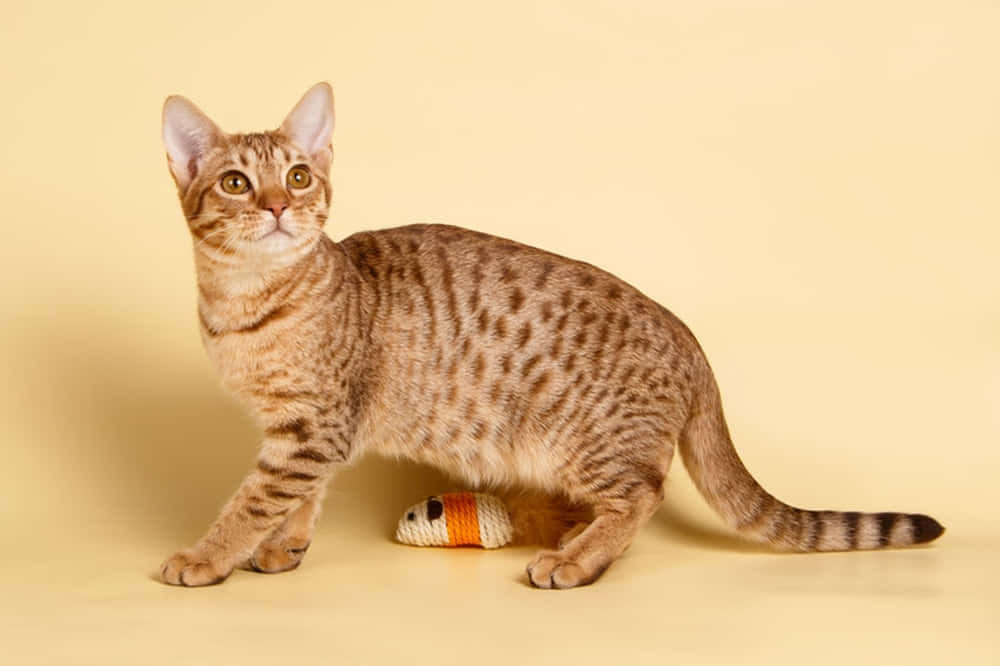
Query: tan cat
<point x="500" y="363"/>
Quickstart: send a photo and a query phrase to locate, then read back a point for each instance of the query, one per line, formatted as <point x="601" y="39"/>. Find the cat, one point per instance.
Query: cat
<point x="501" y="364"/>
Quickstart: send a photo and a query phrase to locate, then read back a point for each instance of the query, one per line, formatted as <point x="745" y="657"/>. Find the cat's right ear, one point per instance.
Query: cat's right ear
<point x="188" y="135"/>
<point x="310" y="124"/>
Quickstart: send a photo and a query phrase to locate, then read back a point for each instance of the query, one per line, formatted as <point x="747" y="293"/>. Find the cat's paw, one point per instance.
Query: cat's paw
<point x="191" y="568"/>
<point x="279" y="555"/>
<point x="552" y="570"/>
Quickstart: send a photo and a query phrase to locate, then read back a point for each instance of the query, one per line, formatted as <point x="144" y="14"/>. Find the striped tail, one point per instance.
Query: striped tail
<point x="720" y="476"/>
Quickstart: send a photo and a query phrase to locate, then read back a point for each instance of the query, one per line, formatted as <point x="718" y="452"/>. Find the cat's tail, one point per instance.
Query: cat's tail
<point x="720" y="476"/>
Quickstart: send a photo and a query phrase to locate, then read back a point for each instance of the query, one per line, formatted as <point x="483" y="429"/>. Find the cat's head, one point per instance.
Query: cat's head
<point x="261" y="198"/>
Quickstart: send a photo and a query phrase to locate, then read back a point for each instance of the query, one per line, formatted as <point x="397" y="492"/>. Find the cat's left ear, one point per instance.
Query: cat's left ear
<point x="310" y="124"/>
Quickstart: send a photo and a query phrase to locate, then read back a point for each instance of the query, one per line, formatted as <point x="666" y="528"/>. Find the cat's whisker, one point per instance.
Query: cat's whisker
<point x="212" y="234"/>
<point x="224" y="252"/>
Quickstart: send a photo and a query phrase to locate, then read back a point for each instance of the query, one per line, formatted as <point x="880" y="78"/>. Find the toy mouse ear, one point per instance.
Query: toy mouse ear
<point x="310" y="124"/>
<point x="188" y="135"/>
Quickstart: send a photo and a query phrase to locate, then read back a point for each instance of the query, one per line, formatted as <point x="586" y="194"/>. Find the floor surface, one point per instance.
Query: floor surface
<point x="683" y="593"/>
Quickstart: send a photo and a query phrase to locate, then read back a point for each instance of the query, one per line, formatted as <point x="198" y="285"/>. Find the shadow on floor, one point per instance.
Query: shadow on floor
<point x="672" y="522"/>
<point x="154" y="449"/>
<point x="162" y="447"/>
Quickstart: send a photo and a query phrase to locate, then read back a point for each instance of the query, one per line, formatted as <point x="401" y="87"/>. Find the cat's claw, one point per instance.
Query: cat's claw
<point x="275" y="557"/>
<point x="190" y="569"/>
<point x="551" y="570"/>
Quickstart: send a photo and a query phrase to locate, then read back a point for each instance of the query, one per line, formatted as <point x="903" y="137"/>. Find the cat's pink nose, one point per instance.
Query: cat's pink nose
<point x="276" y="208"/>
<point x="274" y="200"/>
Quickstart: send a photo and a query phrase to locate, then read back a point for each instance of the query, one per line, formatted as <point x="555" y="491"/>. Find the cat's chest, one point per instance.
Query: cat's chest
<point x="233" y="361"/>
<point x="252" y="365"/>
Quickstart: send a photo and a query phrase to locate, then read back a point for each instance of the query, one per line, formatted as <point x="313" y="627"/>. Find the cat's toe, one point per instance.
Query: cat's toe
<point x="275" y="557"/>
<point x="569" y="574"/>
<point x="552" y="570"/>
<point x="540" y="569"/>
<point x="189" y="569"/>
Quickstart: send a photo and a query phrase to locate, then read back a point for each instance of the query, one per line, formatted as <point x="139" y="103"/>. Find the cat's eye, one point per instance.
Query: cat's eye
<point x="299" y="177"/>
<point x="234" y="182"/>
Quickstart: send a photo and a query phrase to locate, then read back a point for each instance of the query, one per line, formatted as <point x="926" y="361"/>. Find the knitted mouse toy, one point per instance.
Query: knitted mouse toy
<point x="456" y="519"/>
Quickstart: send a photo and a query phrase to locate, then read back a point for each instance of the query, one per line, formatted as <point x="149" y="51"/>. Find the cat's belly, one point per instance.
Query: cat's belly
<point x="490" y="460"/>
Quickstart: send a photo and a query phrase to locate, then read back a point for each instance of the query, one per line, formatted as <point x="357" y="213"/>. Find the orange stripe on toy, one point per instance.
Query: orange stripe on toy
<point x="462" y="519"/>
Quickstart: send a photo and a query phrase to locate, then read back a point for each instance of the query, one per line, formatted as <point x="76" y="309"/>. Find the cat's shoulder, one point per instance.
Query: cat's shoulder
<point x="414" y="236"/>
<point x="422" y="239"/>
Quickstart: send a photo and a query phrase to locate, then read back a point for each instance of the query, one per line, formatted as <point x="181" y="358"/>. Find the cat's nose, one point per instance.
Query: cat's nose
<point x="274" y="200"/>
<point x="276" y="208"/>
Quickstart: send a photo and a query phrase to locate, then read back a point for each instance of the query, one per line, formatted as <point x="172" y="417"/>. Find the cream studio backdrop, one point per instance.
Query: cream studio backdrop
<point x="809" y="186"/>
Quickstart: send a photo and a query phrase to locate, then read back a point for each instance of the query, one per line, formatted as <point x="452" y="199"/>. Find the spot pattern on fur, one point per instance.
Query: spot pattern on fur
<point x="500" y="363"/>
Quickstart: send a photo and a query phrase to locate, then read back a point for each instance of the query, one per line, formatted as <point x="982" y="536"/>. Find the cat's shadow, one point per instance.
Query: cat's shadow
<point x="160" y="447"/>
<point x="676" y="523"/>
<point x="172" y="447"/>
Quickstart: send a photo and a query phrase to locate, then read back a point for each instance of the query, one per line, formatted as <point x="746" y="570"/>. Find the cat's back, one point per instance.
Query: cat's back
<point x="453" y="258"/>
<point x="463" y="285"/>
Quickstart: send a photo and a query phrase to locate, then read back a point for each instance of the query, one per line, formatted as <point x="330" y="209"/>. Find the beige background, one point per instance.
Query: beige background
<point x="812" y="186"/>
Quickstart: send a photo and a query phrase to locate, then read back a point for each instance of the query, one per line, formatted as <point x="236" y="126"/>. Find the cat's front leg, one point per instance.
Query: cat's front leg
<point x="293" y="469"/>
<point x="284" y="549"/>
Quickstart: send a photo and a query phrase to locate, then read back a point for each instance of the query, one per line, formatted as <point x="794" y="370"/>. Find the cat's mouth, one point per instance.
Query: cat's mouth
<point x="277" y="231"/>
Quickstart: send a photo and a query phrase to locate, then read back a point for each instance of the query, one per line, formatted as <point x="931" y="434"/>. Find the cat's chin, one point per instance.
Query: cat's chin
<point x="277" y="249"/>
<point x="277" y="231"/>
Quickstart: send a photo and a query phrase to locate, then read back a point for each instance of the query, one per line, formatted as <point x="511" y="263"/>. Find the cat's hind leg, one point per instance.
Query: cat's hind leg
<point x="583" y="558"/>
<point x="623" y="495"/>
<point x="571" y="534"/>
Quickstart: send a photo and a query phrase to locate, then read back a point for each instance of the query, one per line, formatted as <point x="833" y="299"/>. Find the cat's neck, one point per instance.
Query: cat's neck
<point x="230" y="292"/>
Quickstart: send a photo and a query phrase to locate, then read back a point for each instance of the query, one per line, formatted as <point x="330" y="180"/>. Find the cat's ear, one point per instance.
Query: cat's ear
<point x="310" y="124"/>
<point x="188" y="135"/>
